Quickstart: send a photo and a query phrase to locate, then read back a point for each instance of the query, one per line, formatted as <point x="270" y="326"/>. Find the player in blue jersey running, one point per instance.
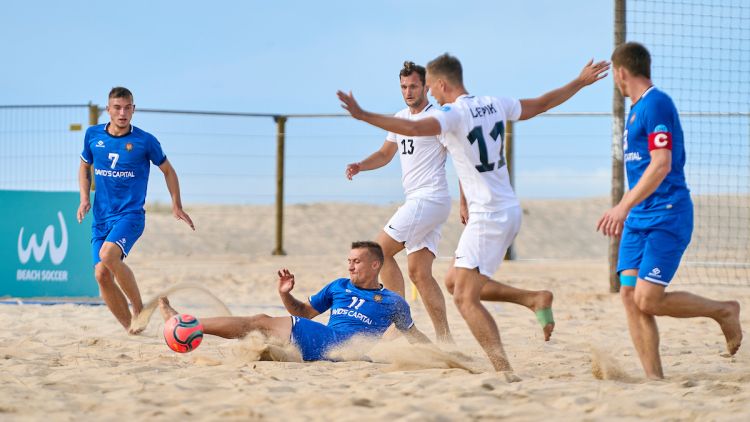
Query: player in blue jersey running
<point x="121" y="155"/>
<point x="655" y="217"/>
<point x="358" y="305"/>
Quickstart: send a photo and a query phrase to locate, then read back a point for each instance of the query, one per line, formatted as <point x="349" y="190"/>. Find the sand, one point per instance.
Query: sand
<point x="71" y="362"/>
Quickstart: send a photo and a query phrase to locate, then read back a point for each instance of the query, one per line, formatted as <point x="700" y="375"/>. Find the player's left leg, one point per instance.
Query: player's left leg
<point x="466" y="295"/>
<point x="537" y="301"/>
<point x="665" y="244"/>
<point x="420" y="273"/>
<point x="237" y="326"/>
<point x="652" y="299"/>
<point x="390" y="274"/>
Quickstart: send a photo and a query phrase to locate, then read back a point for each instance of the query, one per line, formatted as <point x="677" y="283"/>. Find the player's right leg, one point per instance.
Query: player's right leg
<point x="122" y="235"/>
<point x="112" y="295"/>
<point x="237" y="326"/>
<point x="642" y="327"/>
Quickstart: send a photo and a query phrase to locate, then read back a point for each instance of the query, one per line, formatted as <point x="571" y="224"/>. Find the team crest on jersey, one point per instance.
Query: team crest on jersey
<point x="377" y="298"/>
<point x="129" y="147"/>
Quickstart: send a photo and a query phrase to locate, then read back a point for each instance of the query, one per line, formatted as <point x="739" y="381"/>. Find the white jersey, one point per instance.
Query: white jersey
<point x="422" y="160"/>
<point x="473" y="130"/>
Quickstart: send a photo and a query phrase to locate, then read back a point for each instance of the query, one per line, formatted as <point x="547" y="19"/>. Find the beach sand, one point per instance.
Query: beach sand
<point x="72" y="362"/>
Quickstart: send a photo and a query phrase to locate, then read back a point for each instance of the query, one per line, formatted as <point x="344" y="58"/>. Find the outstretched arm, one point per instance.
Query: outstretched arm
<point x="292" y="305"/>
<point x="428" y="126"/>
<point x="591" y="73"/>
<point x="376" y="160"/>
<point x="173" y="185"/>
<point x="612" y="221"/>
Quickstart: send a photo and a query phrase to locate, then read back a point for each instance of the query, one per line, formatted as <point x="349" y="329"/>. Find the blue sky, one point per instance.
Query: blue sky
<point x="291" y="57"/>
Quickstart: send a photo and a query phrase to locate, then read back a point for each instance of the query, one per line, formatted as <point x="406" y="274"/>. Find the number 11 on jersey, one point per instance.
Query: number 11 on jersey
<point x="477" y="135"/>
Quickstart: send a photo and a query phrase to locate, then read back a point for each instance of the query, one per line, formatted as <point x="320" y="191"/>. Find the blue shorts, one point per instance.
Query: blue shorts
<point x="313" y="339"/>
<point x="123" y="232"/>
<point x="654" y="245"/>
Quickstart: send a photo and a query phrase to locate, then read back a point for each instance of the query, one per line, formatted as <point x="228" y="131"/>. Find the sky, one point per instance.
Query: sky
<point x="290" y="57"/>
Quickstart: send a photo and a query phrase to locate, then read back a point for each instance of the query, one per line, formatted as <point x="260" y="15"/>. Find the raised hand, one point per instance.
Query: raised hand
<point x="593" y="72"/>
<point x="286" y="281"/>
<point x="350" y="104"/>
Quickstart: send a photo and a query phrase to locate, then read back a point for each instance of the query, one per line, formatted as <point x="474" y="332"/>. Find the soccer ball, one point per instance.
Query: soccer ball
<point x="183" y="333"/>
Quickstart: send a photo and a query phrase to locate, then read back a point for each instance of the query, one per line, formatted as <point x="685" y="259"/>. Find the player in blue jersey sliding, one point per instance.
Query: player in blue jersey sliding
<point x="358" y="305"/>
<point x="655" y="217"/>
<point x="121" y="155"/>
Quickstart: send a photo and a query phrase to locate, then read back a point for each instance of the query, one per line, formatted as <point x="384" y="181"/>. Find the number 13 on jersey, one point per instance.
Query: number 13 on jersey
<point x="477" y="135"/>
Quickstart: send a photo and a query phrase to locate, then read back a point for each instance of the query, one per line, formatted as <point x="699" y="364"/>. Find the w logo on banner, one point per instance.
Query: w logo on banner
<point x="56" y="252"/>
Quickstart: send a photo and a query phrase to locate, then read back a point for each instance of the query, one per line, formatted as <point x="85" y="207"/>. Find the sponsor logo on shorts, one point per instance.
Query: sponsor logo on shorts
<point x="391" y="227"/>
<point x="656" y="273"/>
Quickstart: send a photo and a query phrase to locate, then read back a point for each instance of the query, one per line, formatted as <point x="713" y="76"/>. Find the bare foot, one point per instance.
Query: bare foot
<point x="166" y="310"/>
<point x="730" y="326"/>
<point x="509" y="376"/>
<point x="544" y="300"/>
<point x="135" y="331"/>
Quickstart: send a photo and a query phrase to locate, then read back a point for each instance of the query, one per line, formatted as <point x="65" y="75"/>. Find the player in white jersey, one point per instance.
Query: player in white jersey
<point x="473" y="129"/>
<point x="416" y="225"/>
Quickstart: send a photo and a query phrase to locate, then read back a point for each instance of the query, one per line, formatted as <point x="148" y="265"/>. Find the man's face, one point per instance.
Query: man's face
<point x="413" y="90"/>
<point x="617" y="74"/>
<point x="436" y="87"/>
<point x="363" y="267"/>
<point x="120" y="111"/>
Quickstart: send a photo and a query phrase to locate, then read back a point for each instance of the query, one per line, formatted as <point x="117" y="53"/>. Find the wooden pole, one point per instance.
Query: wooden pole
<point x="510" y="254"/>
<point x="280" y="133"/>
<point x="618" y="127"/>
<point x="93" y="121"/>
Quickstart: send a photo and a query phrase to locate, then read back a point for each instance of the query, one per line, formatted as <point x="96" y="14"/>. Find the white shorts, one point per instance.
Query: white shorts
<point x="417" y="223"/>
<point x="486" y="238"/>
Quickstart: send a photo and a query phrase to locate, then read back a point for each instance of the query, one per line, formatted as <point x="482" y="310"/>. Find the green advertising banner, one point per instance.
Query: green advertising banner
<point x="44" y="252"/>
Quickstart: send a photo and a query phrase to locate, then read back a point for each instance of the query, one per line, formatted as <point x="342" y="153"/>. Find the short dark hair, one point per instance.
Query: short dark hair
<point x="373" y="248"/>
<point x="634" y="57"/>
<point x="410" y="67"/>
<point x="448" y="67"/>
<point x="120" y="92"/>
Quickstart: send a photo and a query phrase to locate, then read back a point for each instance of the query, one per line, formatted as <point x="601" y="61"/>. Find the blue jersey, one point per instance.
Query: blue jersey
<point x="121" y="167"/>
<point x="361" y="311"/>
<point x="653" y="123"/>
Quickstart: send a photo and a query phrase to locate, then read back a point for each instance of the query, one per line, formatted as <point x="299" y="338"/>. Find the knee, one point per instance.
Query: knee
<point x="463" y="298"/>
<point x="102" y="274"/>
<point x="450" y="282"/>
<point x="419" y="276"/>
<point x="110" y="256"/>
<point x="646" y="303"/>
